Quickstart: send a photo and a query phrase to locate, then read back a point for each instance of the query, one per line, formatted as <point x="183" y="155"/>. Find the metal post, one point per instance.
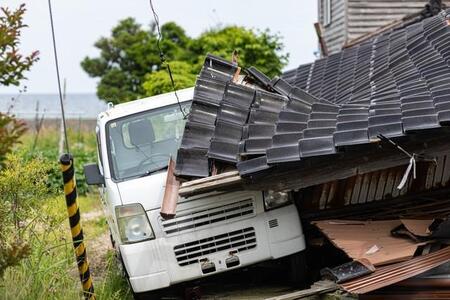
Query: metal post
<point x="70" y="191"/>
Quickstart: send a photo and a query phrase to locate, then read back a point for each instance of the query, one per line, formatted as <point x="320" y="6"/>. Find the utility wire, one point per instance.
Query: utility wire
<point x="57" y="76"/>
<point x="163" y="58"/>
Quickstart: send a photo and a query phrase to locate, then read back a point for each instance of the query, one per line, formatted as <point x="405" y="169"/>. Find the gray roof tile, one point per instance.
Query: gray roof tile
<point x="394" y="84"/>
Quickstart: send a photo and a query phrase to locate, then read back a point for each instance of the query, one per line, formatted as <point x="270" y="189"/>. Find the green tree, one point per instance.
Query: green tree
<point x="128" y="55"/>
<point x="259" y="49"/>
<point x="13" y="66"/>
<point x="129" y="65"/>
<point x="158" y="82"/>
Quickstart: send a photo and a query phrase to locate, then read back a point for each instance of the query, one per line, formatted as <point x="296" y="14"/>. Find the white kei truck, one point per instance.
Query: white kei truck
<point x="211" y="233"/>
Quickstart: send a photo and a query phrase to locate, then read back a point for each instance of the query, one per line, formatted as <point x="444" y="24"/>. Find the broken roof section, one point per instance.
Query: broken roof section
<point x="395" y="273"/>
<point x="394" y="85"/>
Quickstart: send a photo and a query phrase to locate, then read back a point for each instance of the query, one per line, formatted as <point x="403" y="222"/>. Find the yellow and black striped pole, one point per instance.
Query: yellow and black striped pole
<point x="70" y="190"/>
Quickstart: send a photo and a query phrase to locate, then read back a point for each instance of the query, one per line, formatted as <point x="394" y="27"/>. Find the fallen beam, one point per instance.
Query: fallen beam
<point x="317" y="288"/>
<point x="218" y="182"/>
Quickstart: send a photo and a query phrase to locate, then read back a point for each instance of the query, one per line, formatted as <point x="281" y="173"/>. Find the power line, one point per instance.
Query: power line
<point x="57" y="76"/>
<point x="163" y="58"/>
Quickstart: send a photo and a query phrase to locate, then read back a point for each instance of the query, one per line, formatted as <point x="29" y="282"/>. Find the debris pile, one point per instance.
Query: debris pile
<point x="356" y="136"/>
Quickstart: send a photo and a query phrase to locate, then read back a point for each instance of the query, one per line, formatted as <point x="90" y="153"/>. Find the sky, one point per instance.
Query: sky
<point x="79" y="23"/>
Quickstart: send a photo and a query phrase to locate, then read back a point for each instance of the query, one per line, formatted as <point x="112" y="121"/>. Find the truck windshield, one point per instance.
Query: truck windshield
<point x="142" y="143"/>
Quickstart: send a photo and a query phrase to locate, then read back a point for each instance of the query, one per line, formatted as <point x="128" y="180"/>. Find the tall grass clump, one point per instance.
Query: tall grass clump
<point x="50" y="271"/>
<point x="37" y="259"/>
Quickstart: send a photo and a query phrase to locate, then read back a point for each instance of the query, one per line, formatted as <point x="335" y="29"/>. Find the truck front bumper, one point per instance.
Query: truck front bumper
<point x="154" y="264"/>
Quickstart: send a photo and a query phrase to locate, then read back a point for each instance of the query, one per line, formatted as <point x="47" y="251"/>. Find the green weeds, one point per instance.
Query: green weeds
<point x="46" y="269"/>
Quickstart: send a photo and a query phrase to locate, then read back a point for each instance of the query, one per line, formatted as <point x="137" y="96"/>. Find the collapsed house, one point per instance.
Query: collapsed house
<point x="361" y="138"/>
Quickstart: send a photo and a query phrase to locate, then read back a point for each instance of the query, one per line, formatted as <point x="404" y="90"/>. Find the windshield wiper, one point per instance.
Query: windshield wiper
<point x="149" y="172"/>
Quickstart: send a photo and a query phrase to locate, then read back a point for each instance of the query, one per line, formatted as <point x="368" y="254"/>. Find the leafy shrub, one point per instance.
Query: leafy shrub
<point x="50" y="270"/>
<point x="11" y="130"/>
<point x="84" y="151"/>
<point x="23" y="186"/>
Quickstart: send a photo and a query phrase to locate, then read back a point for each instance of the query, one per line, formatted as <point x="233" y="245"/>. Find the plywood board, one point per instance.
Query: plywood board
<point x="418" y="227"/>
<point x="368" y="239"/>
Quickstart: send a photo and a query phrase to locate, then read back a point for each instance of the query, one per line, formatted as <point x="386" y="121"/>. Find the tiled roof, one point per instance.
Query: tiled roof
<point x="396" y="84"/>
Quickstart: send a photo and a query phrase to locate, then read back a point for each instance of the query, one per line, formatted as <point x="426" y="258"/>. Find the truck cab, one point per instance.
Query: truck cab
<point x="210" y="233"/>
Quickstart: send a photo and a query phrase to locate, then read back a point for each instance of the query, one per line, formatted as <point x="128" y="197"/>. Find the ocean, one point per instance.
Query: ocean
<point x="77" y="106"/>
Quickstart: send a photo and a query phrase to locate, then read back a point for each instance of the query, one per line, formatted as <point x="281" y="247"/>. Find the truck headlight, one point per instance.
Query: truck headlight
<point x="274" y="199"/>
<point x="133" y="224"/>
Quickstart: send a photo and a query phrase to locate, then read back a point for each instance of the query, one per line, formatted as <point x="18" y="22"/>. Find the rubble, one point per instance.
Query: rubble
<point x="370" y="240"/>
<point x="360" y="138"/>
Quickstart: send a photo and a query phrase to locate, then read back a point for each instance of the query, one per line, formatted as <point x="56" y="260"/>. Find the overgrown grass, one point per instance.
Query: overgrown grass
<point x="82" y="146"/>
<point x="50" y="271"/>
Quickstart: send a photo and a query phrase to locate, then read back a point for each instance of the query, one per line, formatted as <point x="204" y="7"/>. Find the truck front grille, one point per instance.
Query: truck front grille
<point x="191" y="252"/>
<point x="204" y="217"/>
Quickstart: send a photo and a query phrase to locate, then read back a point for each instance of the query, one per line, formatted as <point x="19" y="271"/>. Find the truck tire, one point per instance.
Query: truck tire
<point x="297" y="269"/>
<point x="113" y="243"/>
<point x="153" y="295"/>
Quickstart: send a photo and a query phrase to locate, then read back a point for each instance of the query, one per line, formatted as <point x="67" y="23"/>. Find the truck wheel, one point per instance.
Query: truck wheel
<point x="297" y="269"/>
<point x="113" y="243"/>
<point x="153" y="295"/>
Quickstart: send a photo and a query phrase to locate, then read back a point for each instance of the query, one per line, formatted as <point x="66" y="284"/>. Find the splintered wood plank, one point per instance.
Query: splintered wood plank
<point x="212" y="183"/>
<point x="398" y="178"/>
<point x="331" y="194"/>
<point x="356" y="189"/>
<point x="349" y="188"/>
<point x="210" y="178"/>
<point x="317" y="288"/>
<point x="390" y="184"/>
<point x="439" y="170"/>
<point x="374" y="180"/>
<point x="364" y="188"/>
<point x="380" y="192"/>
<point x="324" y="196"/>
<point x="446" y="173"/>
<point x="431" y="170"/>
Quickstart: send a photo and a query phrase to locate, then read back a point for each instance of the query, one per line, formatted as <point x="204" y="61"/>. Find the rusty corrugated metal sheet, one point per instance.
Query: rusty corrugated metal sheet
<point x="376" y="186"/>
<point x="392" y="274"/>
<point x="413" y="288"/>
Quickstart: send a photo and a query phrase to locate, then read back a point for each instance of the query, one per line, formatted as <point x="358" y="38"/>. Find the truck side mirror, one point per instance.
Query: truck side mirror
<point x="92" y="174"/>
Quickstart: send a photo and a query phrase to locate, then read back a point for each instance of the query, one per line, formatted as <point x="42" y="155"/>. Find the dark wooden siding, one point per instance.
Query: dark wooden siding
<point x="382" y="186"/>
<point x="335" y="33"/>
<point x="367" y="16"/>
<point x="351" y="19"/>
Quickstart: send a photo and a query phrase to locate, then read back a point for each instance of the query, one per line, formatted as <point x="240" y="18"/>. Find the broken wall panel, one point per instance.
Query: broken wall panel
<point x="376" y="186"/>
